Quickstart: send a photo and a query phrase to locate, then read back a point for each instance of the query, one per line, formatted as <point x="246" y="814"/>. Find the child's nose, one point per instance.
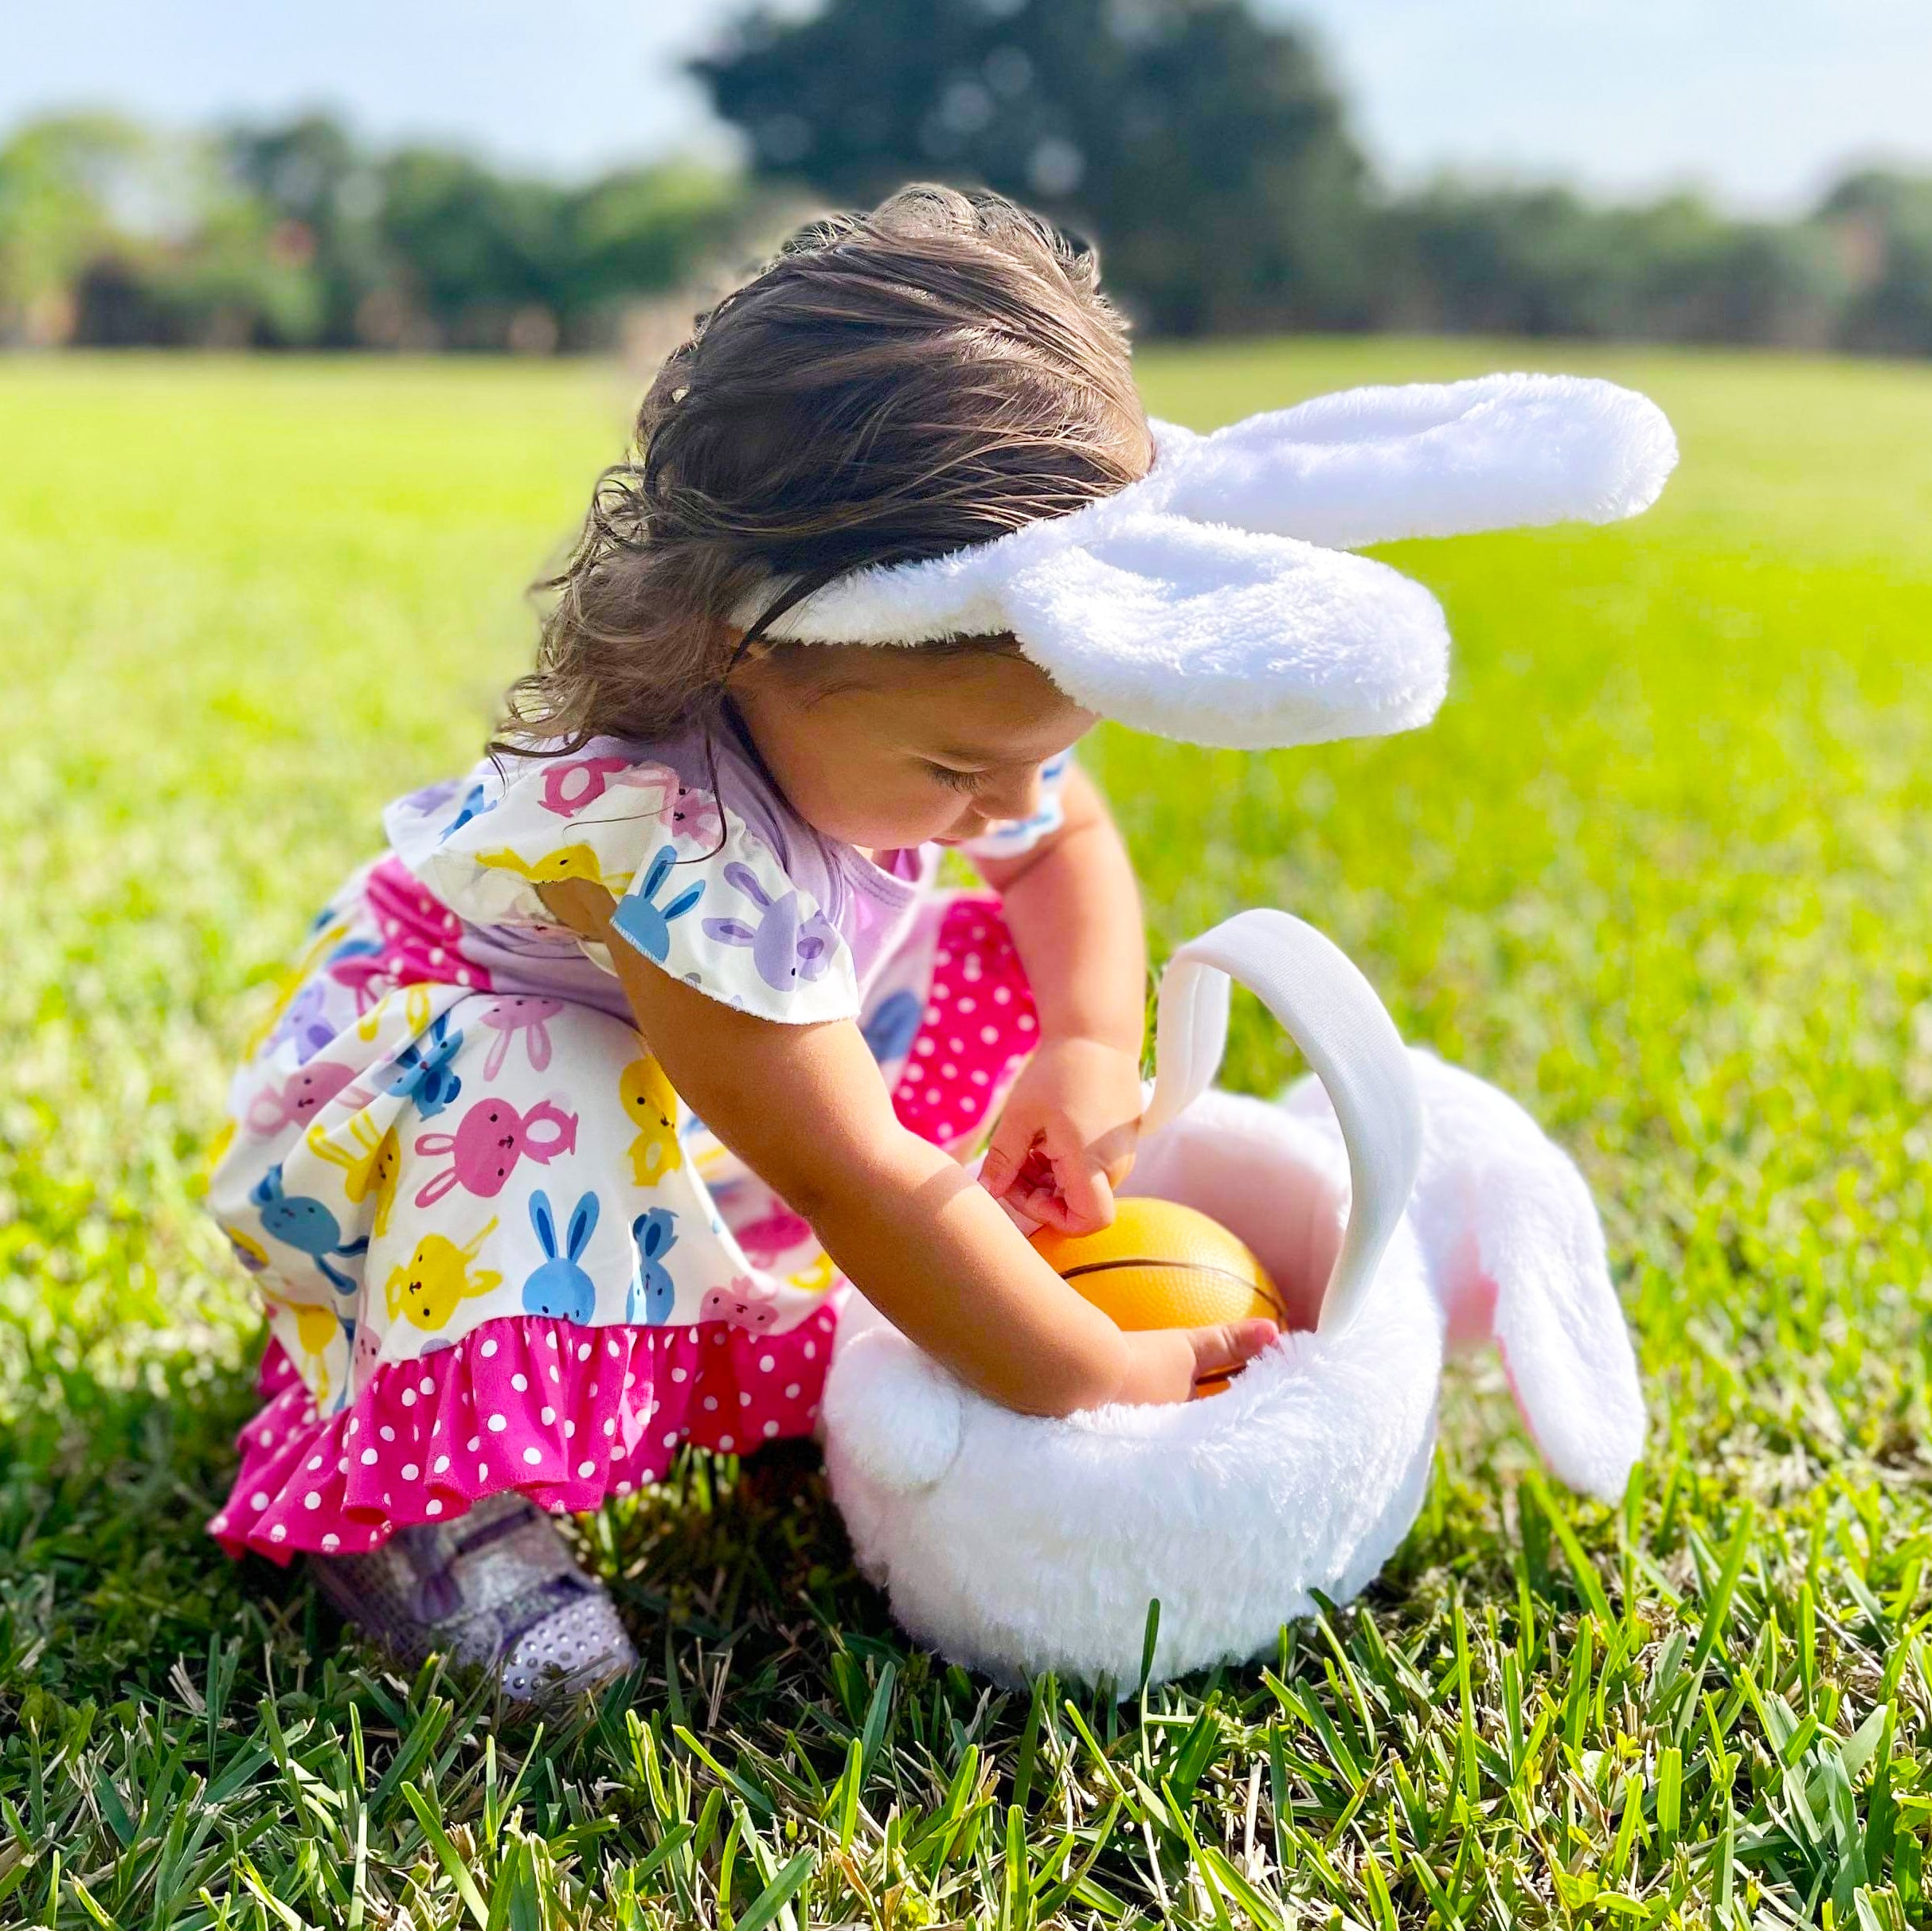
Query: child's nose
<point x="1018" y="797"/>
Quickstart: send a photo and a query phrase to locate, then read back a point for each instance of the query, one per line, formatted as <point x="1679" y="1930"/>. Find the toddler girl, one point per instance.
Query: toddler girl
<point x="591" y="1095"/>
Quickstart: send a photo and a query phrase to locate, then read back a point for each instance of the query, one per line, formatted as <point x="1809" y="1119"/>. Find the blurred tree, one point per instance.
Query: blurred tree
<point x="1204" y="145"/>
<point x="111" y="234"/>
<point x="325" y="198"/>
<point x="1540" y="261"/>
<point x="484" y="255"/>
<point x="1881" y="225"/>
<point x="59" y="179"/>
<point x="645" y="230"/>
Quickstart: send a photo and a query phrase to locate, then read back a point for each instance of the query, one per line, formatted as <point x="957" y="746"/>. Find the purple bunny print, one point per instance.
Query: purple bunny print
<point x="305" y="1021"/>
<point x="788" y="946"/>
<point x="642" y="919"/>
<point x="431" y="798"/>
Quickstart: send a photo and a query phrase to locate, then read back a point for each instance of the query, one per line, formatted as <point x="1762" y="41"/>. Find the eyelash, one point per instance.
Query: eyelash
<point x="955" y="780"/>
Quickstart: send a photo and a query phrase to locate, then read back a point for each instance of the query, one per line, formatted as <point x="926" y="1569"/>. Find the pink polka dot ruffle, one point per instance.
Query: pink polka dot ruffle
<point x="568" y="1415"/>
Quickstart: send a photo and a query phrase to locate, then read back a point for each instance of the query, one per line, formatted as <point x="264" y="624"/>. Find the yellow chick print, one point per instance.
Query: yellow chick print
<point x="316" y="1327"/>
<point x="817" y="1278"/>
<point x="567" y="862"/>
<point x="373" y="1167"/>
<point x="424" y="1291"/>
<point x="648" y="1099"/>
<point x="418" y="1010"/>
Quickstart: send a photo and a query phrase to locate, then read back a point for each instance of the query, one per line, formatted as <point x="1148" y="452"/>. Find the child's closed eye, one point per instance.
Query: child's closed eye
<point x="954" y="780"/>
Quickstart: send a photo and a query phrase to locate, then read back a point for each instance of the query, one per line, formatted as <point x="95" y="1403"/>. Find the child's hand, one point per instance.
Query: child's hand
<point x="1065" y="1139"/>
<point x="1167" y="1364"/>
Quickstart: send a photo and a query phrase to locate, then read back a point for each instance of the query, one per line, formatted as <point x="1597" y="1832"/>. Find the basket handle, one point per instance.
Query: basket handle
<point x="1331" y="1013"/>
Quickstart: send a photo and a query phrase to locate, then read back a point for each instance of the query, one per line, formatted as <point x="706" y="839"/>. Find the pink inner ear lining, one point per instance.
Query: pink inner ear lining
<point x="1523" y="1408"/>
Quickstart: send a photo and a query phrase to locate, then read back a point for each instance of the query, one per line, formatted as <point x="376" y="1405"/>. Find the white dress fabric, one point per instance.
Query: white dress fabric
<point x="453" y="1129"/>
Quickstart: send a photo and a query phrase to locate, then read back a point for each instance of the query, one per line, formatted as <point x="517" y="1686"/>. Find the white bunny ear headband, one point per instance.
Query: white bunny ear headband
<point x="1213" y="600"/>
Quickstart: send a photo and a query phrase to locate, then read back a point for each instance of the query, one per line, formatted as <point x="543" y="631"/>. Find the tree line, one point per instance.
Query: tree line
<point x="1202" y="147"/>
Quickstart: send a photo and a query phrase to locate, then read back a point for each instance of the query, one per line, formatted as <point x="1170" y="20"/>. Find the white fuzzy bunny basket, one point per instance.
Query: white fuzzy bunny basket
<point x="1401" y="1207"/>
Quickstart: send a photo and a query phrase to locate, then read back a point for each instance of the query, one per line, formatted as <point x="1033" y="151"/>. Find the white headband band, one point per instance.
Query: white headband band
<point x="1214" y="601"/>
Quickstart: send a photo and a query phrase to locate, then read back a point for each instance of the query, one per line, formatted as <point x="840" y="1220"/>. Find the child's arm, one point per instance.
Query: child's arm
<point x="1066" y="1138"/>
<point x="805" y="1107"/>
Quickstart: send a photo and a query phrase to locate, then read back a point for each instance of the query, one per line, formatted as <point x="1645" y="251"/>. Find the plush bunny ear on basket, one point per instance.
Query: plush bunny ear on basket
<point x="1214" y="601"/>
<point x="1399" y="1206"/>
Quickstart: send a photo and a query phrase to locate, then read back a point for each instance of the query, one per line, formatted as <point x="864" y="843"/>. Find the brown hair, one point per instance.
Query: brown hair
<point x="891" y="386"/>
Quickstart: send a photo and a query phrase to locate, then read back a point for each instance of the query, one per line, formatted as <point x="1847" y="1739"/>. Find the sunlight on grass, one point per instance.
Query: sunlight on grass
<point x="1658" y="870"/>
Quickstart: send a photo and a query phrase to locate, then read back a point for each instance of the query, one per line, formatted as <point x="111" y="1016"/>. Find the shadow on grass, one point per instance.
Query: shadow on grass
<point x="108" y="1581"/>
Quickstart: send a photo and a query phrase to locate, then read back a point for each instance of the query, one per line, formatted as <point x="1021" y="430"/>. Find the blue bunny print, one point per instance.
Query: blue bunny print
<point x="476" y="801"/>
<point x="422" y="1072"/>
<point x="306" y="1225"/>
<point x="558" y="1287"/>
<point x="889" y="1032"/>
<point x="651" y="1292"/>
<point x="640" y="918"/>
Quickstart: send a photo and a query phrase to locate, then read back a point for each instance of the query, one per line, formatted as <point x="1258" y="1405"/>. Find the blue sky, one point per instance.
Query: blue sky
<point x="1756" y="100"/>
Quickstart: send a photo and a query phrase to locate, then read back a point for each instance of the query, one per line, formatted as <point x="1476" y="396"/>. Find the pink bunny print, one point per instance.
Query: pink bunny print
<point x="489" y="1140"/>
<point x="744" y="1303"/>
<point x="285" y="1102"/>
<point x="370" y="972"/>
<point x="688" y="813"/>
<point x="368" y="1358"/>
<point x="778" y="1232"/>
<point x="576" y="783"/>
<point x="520" y="1014"/>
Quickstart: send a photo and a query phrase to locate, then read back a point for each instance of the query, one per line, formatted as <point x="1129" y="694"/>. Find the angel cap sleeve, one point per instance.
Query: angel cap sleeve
<point x="746" y="916"/>
<point x="486" y="843"/>
<point x="702" y="890"/>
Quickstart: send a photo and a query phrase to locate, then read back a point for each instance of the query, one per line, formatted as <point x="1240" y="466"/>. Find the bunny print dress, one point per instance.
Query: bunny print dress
<point x="496" y="1251"/>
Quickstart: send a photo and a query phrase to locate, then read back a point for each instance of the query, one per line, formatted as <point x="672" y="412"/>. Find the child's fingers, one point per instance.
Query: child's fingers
<point x="1082" y="1201"/>
<point x="1000" y="1166"/>
<point x="1229" y="1344"/>
<point x="1028" y="1224"/>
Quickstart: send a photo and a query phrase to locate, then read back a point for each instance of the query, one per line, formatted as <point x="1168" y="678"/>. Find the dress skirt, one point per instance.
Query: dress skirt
<point x="496" y="1252"/>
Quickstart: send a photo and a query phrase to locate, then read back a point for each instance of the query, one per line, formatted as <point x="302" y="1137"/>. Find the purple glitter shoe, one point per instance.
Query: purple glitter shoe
<point x="495" y="1587"/>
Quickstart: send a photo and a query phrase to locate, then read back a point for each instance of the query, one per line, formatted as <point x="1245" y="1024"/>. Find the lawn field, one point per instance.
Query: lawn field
<point x="1663" y="869"/>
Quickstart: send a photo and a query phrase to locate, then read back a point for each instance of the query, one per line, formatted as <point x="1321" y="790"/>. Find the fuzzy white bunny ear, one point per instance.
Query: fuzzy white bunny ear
<point x="1429" y="460"/>
<point x="1196" y="604"/>
<point x="1218" y="636"/>
<point x="1188" y="630"/>
<point x="1515" y="1253"/>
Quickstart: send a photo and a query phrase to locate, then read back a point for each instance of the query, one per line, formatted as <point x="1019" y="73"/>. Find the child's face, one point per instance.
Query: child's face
<point x="889" y="746"/>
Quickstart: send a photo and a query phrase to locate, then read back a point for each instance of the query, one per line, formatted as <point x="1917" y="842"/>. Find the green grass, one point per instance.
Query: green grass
<point x="1660" y="869"/>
